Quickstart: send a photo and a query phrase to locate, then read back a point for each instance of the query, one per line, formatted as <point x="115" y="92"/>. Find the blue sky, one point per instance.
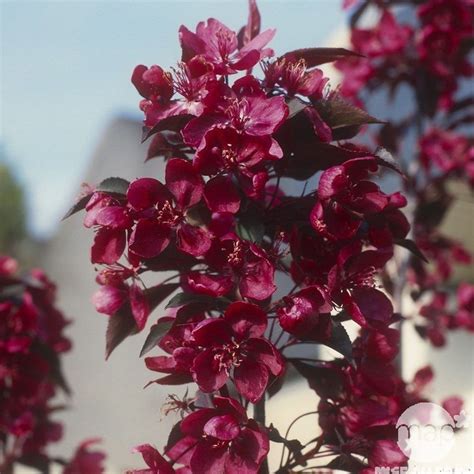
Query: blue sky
<point x="65" y="69"/>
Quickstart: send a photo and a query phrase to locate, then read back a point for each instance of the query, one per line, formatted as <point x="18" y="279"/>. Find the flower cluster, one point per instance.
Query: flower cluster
<point x="223" y="224"/>
<point x="32" y="341"/>
<point x="430" y="60"/>
<point x="431" y="54"/>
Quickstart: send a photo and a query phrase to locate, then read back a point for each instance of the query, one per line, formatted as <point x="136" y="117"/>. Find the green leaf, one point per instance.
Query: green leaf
<point x="182" y="299"/>
<point x="54" y="362"/>
<point x="174" y="123"/>
<point x="412" y="247"/>
<point x="37" y="461"/>
<point x="78" y="206"/>
<point x="346" y="463"/>
<point x="156" y="334"/>
<point x="293" y="445"/>
<point x="172" y="379"/>
<point x="121" y="325"/>
<point x="174" y="436"/>
<point x="385" y="158"/>
<point x="326" y="381"/>
<point x="343" y="117"/>
<point x="250" y="225"/>
<point x="340" y="341"/>
<point x="157" y="294"/>
<point x="114" y="186"/>
<point x="341" y="316"/>
<point x="12" y="292"/>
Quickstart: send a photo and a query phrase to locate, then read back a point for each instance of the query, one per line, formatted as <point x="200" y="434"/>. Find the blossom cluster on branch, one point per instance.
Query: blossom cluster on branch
<point x="31" y="344"/>
<point x="223" y="224"/>
<point x="421" y="58"/>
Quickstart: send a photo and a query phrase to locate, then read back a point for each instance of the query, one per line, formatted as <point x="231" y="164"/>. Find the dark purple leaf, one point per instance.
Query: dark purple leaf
<point x="121" y="325"/>
<point x="343" y="117"/>
<point x="316" y="56"/>
<point x="172" y="379"/>
<point x="326" y="381"/>
<point x="174" y="123"/>
<point x="412" y="247"/>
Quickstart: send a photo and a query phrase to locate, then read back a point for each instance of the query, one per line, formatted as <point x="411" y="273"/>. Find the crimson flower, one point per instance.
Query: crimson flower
<point x="249" y="111"/>
<point x="389" y="37"/>
<point x="295" y="78"/>
<point x="224" y="149"/>
<point x="115" y="293"/>
<point x="153" y="83"/>
<point x="111" y="217"/>
<point x="233" y="346"/>
<point x="180" y="345"/>
<point x="155" y="461"/>
<point x="219" y="45"/>
<point x="447" y="15"/>
<point x="351" y="284"/>
<point x="301" y="313"/>
<point x="162" y="209"/>
<point x="347" y="199"/>
<point x="447" y="150"/>
<point x="465" y="312"/>
<point x="237" y="263"/>
<point x="221" y="440"/>
<point x="86" y="461"/>
<point x="437" y="48"/>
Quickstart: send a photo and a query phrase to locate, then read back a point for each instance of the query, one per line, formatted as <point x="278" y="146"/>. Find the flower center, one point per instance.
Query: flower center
<point x="229" y="157"/>
<point x="224" y="43"/>
<point x="168" y="215"/>
<point x="238" y="112"/>
<point x="293" y="73"/>
<point x="228" y="356"/>
<point x="236" y="257"/>
<point x="182" y="82"/>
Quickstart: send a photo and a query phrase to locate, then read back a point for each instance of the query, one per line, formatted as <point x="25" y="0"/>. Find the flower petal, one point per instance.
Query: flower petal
<point x="144" y="193"/>
<point x="184" y="182"/>
<point x="207" y="374"/>
<point x="193" y="240"/>
<point x="221" y="195"/>
<point x="208" y="458"/>
<point x="246" y="319"/>
<point x="108" y="246"/>
<point x="108" y="299"/>
<point x="139" y="305"/>
<point x="149" y="238"/>
<point x="251" y="379"/>
<point x="368" y="305"/>
<point x="224" y="427"/>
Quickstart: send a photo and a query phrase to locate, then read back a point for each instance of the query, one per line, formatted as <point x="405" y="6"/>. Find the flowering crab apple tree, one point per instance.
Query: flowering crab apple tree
<point x="221" y="222"/>
<point x="425" y="64"/>
<point x="31" y="344"/>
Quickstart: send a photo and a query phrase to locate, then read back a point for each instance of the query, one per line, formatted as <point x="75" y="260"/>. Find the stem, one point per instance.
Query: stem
<point x="259" y="415"/>
<point x="289" y="429"/>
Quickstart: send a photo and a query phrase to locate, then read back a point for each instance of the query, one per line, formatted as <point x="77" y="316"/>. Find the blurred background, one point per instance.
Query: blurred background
<point x="69" y="114"/>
